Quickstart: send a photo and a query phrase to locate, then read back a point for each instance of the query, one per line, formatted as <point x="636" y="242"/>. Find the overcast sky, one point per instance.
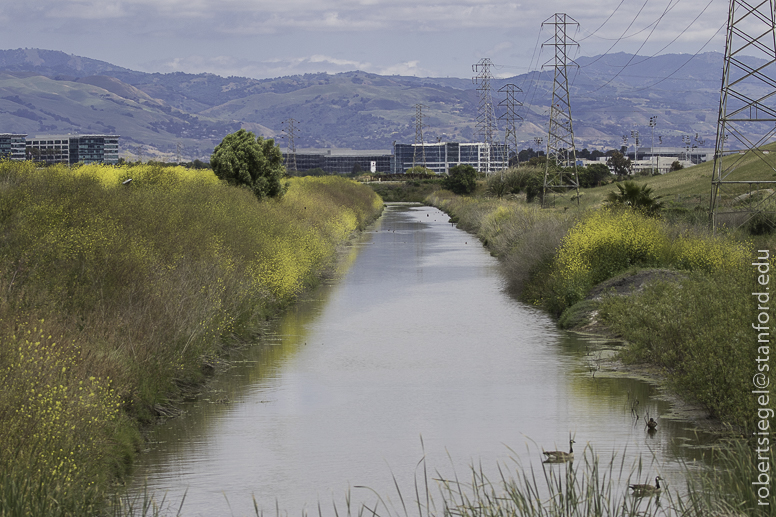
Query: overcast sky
<point x="260" y="39"/>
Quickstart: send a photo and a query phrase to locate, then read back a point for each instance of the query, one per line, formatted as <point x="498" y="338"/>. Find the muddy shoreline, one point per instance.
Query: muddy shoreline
<point x="608" y="346"/>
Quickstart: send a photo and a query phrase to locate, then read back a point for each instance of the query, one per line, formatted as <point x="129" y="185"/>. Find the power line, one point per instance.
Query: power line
<point x="623" y="34"/>
<point x="605" y="21"/>
<point x="633" y="56"/>
<point x="683" y="64"/>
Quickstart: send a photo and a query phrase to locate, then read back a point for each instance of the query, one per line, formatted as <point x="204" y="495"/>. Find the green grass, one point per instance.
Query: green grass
<point x="687" y="188"/>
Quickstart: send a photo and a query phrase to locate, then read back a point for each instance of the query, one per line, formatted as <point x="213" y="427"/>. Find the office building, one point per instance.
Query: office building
<point x="439" y="157"/>
<point x="72" y="149"/>
<point x="12" y="146"/>
<point x="341" y="161"/>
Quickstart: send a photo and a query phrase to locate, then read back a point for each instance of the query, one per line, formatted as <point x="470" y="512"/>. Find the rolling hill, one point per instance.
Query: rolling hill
<point x="47" y="91"/>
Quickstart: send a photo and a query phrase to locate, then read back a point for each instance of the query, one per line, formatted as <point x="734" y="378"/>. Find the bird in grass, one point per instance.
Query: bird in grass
<point x="560" y="456"/>
<point x="647" y="489"/>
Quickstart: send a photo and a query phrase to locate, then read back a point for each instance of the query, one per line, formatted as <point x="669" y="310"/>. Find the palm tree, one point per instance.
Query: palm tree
<point x="634" y="196"/>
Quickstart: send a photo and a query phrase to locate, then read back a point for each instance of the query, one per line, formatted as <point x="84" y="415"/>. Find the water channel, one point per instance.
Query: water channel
<point x="414" y="352"/>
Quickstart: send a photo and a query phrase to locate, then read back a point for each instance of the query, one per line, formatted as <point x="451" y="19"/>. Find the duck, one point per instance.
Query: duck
<point x="647" y="489"/>
<point x="560" y="456"/>
<point x="652" y="424"/>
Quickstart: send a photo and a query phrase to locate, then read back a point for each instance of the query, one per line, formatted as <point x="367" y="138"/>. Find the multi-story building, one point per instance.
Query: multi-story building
<point x="341" y="161"/>
<point x="12" y="146"/>
<point x="72" y="149"/>
<point x="439" y="157"/>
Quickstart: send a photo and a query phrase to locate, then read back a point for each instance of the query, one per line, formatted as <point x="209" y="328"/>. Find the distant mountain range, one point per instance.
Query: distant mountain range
<point x="47" y="91"/>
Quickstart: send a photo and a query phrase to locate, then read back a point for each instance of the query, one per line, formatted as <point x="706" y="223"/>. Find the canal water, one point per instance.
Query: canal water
<point x="414" y="352"/>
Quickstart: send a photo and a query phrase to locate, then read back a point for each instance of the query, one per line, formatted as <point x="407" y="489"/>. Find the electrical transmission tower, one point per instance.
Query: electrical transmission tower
<point x="511" y="117"/>
<point x="560" y="137"/>
<point x="747" y="113"/>
<point x="290" y="129"/>
<point x="418" y="136"/>
<point x="486" y="114"/>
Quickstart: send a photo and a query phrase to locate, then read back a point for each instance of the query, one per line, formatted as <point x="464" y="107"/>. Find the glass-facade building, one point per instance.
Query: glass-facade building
<point x="12" y="146"/>
<point x="72" y="149"/>
<point x="340" y="161"/>
<point x="439" y="157"/>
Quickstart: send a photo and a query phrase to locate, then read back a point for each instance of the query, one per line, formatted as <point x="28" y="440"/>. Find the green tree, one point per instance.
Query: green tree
<point x="621" y="164"/>
<point x="635" y="197"/>
<point x="593" y="175"/>
<point x="676" y="166"/>
<point x="243" y="159"/>
<point x="461" y="180"/>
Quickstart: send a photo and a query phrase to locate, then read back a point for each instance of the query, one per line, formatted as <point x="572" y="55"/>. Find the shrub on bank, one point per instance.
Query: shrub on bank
<point x="115" y="294"/>
<point x="608" y="241"/>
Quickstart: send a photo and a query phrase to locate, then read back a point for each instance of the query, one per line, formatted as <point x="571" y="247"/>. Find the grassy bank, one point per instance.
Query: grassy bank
<point x="693" y="321"/>
<point x="697" y="325"/>
<point x="116" y="298"/>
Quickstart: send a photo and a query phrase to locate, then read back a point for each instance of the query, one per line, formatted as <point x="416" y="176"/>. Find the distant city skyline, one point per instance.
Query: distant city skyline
<point x="262" y="39"/>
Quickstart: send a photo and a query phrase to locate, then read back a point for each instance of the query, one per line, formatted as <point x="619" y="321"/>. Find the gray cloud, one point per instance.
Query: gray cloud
<point x="261" y="38"/>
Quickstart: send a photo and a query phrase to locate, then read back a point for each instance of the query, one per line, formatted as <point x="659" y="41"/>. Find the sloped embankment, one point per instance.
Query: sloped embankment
<point x="116" y="297"/>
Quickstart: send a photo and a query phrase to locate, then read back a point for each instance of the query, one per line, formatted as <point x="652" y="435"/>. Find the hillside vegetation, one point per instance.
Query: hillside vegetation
<point x="117" y="298"/>
<point x="46" y="91"/>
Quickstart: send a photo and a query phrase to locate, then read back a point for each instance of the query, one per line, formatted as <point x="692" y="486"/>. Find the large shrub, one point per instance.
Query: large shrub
<point x="607" y="242"/>
<point x="243" y="159"/>
<point x="461" y="180"/>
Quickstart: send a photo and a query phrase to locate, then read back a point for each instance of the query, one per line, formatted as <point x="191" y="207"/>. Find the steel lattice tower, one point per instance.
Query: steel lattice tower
<point x="290" y="130"/>
<point x="747" y="113"/>
<point x="560" y="136"/>
<point x="486" y="114"/>
<point x="418" y="136"/>
<point x="511" y="117"/>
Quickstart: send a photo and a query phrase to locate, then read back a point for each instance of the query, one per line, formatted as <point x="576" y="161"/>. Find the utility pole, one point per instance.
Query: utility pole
<point x="511" y="117"/>
<point x="289" y="130"/>
<point x="486" y="114"/>
<point x="747" y="113"/>
<point x="635" y="136"/>
<point x="652" y="124"/>
<point x="418" y="136"/>
<point x="538" y="141"/>
<point x="560" y="135"/>
<point x="686" y="140"/>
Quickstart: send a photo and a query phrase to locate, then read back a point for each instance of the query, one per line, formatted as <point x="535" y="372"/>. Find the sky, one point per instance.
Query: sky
<point x="263" y="39"/>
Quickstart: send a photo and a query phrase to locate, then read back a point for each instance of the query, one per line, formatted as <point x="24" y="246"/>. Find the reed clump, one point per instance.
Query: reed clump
<point x="115" y="295"/>
<point x="588" y="487"/>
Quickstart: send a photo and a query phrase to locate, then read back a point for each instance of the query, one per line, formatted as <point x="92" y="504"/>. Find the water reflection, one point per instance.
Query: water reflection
<point x="416" y="341"/>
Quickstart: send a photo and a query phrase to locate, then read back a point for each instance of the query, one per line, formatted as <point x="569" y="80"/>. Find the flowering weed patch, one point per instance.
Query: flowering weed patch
<point x="142" y="282"/>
